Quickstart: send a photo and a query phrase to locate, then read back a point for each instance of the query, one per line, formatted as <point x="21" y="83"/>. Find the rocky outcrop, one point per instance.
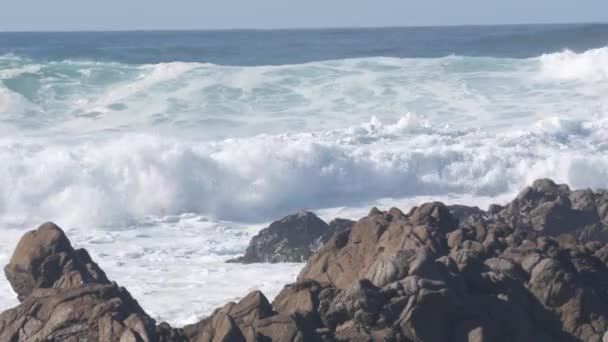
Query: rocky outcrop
<point x="533" y="270"/>
<point x="92" y="312"/>
<point x="44" y="258"/>
<point x="65" y="296"/>
<point x="252" y="319"/>
<point x="554" y="210"/>
<point x="523" y="272"/>
<point x="294" y="238"/>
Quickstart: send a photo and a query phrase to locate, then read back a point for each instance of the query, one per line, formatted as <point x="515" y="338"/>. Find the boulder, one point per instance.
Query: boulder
<point x="294" y="238"/>
<point x="44" y="258"/>
<point x="233" y="322"/>
<point x="374" y="246"/>
<point x="65" y="296"/>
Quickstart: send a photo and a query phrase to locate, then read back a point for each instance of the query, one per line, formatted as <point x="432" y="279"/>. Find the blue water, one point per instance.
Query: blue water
<point x="163" y="152"/>
<point x="249" y="47"/>
<point x="250" y="125"/>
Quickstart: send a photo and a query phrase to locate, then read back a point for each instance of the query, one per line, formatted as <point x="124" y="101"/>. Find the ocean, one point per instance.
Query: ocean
<point x="162" y="153"/>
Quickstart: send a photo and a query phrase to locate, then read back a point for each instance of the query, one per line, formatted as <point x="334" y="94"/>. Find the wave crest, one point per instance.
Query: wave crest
<point x="117" y="181"/>
<point x="591" y="65"/>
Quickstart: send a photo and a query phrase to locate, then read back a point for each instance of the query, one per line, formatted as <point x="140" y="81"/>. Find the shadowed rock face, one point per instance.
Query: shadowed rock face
<point x="553" y="210"/>
<point x="523" y="272"/>
<point x="533" y="270"/>
<point x="294" y="238"/>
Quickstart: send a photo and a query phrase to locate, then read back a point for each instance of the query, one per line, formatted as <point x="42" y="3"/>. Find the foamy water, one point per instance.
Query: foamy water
<point x="164" y="171"/>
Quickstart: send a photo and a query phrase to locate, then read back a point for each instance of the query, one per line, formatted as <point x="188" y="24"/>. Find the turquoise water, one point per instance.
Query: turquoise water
<point x="163" y="152"/>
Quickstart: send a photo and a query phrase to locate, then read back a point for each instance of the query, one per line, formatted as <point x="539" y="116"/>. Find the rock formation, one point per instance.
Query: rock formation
<point x="65" y="296"/>
<point x="533" y="270"/>
<point x="293" y="238"/>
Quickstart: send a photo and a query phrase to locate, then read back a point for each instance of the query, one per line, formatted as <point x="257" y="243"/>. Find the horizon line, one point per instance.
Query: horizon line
<point x="304" y="28"/>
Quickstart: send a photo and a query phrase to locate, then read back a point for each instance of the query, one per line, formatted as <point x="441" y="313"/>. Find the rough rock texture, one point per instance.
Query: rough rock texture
<point x="524" y="272"/>
<point x="251" y="319"/>
<point x="294" y="238"/>
<point x="65" y="296"/>
<point x="553" y="210"/>
<point x="93" y="312"/>
<point x="44" y="258"/>
<point x="533" y="270"/>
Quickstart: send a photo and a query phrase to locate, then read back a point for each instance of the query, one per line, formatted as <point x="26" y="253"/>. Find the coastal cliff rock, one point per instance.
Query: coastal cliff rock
<point x="293" y="238"/>
<point x="535" y="269"/>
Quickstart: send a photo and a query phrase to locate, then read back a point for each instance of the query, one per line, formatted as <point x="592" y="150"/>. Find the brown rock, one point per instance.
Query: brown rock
<point x="44" y="258"/>
<point x="93" y="312"/>
<point x="373" y="246"/>
<point x="528" y="271"/>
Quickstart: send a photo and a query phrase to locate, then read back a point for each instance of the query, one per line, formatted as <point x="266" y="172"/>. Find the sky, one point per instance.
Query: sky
<point x="62" y="15"/>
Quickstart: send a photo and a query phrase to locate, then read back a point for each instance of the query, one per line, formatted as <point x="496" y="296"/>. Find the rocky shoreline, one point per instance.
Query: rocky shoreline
<point x="533" y="270"/>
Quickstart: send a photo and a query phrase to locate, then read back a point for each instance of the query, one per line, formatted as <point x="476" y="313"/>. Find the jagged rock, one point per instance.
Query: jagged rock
<point x="233" y="322"/>
<point x="292" y="239"/>
<point x="283" y="328"/>
<point x="522" y="272"/>
<point x="553" y="210"/>
<point x="301" y="298"/>
<point x="92" y="312"/>
<point x="65" y="296"/>
<point x="535" y="269"/>
<point x="44" y="258"/>
<point x="336" y="226"/>
<point x="373" y="245"/>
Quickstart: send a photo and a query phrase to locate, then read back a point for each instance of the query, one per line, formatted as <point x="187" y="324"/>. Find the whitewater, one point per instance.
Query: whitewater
<point x="164" y="171"/>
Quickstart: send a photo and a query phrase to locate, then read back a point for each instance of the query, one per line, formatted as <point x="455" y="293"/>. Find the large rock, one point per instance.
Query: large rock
<point x="233" y="322"/>
<point x="377" y="246"/>
<point x="533" y="270"/>
<point x="523" y="272"/>
<point x="92" y="312"/>
<point x="251" y="319"/>
<point x="294" y="238"/>
<point x="65" y="296"/>
<point x="44" y="258"/>
<point x="554" y="210"/>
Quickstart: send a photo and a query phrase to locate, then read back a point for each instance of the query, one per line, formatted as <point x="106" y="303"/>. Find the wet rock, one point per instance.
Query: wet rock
<point x="291" y="239"/>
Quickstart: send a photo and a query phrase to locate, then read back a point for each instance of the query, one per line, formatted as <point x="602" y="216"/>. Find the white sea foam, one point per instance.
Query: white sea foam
<point x="129" y="177"/>
<point x="591" y="65"/>
<point x="164" y="171"/>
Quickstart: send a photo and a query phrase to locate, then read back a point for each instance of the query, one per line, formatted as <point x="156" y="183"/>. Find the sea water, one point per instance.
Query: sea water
<point x="162" y="153"/>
